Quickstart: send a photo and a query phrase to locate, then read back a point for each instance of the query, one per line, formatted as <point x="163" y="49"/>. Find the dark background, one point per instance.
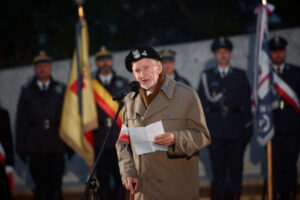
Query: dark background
<point x="27" y="26"/>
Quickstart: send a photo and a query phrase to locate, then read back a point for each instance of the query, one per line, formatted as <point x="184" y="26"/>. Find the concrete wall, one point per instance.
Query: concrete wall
<point x="191" y="59"/>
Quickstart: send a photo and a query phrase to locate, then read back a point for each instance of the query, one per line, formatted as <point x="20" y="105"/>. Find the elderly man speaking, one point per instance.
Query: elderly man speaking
<point x="170" y="169"/>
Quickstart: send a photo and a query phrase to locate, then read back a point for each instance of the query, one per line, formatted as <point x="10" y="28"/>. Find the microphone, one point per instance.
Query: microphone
<point x="132" y="87"/>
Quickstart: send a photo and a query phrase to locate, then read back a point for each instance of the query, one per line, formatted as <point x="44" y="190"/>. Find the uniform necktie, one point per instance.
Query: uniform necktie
<point x="44" y="87"/>
<point x="223" y="74"/>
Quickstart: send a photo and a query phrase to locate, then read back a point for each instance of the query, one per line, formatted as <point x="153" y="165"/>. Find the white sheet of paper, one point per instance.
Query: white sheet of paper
<point x="143" y="137"/>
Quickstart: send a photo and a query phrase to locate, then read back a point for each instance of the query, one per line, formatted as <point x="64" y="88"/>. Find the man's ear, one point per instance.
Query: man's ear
<point x="159" y="67"/>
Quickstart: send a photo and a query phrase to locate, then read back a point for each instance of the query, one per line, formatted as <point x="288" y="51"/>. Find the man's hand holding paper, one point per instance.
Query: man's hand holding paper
<point x="166" y="139"/>
<point x="150" y="138"/>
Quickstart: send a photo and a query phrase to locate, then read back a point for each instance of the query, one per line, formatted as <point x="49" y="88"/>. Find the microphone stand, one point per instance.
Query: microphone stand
<point x="92" y="181"/>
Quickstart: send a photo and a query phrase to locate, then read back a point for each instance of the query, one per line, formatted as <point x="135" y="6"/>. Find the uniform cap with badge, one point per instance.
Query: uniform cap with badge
<point x="221" y="42"/>
<point x="277" y="43"/>
<point x="103" y="54"/>
<point x="167" y="55"/>
<point x="140" y="53"/>
<point x="42" y="58"/>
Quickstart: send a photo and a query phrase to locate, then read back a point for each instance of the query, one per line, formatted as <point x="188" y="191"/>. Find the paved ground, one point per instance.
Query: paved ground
<point x="253" y="190"/>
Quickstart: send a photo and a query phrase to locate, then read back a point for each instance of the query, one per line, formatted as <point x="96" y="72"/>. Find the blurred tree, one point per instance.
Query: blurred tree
<point x="28" y="26"/>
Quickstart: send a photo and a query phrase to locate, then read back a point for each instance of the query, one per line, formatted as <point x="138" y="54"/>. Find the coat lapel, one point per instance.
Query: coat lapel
<point x="139" y="106"/>
<point x="158" y="103"/>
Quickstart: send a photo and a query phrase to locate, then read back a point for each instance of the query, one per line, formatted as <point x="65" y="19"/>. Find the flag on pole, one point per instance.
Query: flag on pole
<point x="104" y="100"/>
<point x="263" y="87"/>
<point x="79" y="114"/>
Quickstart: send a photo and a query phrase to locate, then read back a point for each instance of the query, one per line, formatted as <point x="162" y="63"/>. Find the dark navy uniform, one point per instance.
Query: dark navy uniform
<point x="226" y="103"/>
<point x="286" y="141"/>
<point x="38" y="119"/>
<point x="7" y="147"/>
<point x="180" y="79"/>
<point x="168" y="55"/>
<point x="229" y="121"/>
<point x="108" y="168"/>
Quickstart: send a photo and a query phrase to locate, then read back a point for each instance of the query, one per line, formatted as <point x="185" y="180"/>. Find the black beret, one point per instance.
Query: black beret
<point x="103" y="54"/>
<point x="167" y="55"/>
<point x="221" y="42"/>
<point x="140" y="53"/>
<point x="277" y="43"/>
<point x="42" y="57"/>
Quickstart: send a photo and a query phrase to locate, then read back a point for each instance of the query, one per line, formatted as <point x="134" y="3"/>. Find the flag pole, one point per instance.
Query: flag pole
<point x="78" y="32"/>
<point x="79" y="78"/>
<point x="80" y="11"/>
<point x="269" y="156"/>
<point x="270" y="170"/>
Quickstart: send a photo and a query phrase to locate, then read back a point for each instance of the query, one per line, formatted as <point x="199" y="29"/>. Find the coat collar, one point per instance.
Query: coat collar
<point x="159" y="102"/>
<point x="96" y="76"/>
<point x="35" y="84"/>
<point x="282" y="68"/>
<point x="230" y="70"/>
<point x="139" y="106"/>
<point x="168" y="87"/>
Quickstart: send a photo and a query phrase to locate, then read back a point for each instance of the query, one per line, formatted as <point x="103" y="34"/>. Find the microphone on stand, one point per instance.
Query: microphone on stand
<point x="132" y="87"/>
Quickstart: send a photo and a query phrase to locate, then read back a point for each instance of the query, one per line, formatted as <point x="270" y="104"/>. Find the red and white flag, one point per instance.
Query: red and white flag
<point x="286" y="92"/>
<point x="263" y="86"/>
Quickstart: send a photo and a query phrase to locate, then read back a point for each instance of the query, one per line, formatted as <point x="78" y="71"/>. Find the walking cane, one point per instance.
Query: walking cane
<point x="131" y="196"/>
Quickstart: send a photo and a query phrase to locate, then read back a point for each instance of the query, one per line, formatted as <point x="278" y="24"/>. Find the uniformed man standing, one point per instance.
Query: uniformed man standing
<point x="225" y="93"/>
<point x="38" y="118"/>
<point x="108" y="169"/>
<point x="286" y="141"/>
<point x="168" y="63"/>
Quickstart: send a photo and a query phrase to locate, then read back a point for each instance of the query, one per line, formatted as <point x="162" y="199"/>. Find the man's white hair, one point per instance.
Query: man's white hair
<point x="153" y="61"/>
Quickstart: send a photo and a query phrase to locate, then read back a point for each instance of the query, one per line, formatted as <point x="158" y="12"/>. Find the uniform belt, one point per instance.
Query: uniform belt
<point x="45" y="124"/>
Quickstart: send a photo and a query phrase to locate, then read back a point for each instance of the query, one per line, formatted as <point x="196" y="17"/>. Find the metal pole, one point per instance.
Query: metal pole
<point x="79" y="85"/>
<point x="77" y="40"/>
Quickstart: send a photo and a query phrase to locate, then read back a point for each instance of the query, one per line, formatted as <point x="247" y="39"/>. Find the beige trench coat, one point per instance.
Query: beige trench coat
<point x="173" y="174"/>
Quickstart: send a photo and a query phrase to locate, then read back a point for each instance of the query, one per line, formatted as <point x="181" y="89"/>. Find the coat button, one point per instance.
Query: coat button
<point x="46" y="124"/>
